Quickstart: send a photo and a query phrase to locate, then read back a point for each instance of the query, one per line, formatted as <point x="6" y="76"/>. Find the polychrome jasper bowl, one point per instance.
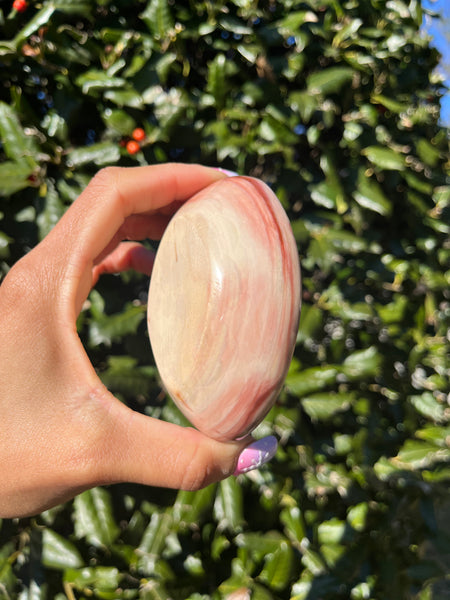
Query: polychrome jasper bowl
<point x="224" y="305"/>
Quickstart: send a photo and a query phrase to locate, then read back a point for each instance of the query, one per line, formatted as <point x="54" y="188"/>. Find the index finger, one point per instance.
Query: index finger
<point x="114" y="194"/>
<point x="92" y="221"/>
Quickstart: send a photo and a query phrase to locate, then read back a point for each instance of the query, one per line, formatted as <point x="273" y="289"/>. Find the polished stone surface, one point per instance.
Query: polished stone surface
<point x="224" y="305"/>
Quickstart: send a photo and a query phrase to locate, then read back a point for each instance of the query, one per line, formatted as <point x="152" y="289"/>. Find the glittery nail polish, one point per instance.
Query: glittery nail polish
<point x="256" y="454"/>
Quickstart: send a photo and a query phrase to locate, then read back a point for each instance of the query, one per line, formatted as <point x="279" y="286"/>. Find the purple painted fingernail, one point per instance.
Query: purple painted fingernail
<point x="226" y="172"/>
<point x="256" y="455"/>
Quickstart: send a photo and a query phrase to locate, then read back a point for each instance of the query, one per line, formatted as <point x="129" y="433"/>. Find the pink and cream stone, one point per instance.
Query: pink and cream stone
<point x="224" y="304"/>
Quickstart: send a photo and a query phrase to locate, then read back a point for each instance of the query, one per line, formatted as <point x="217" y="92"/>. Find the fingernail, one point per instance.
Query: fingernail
<point x="226" y="172"/>
<point x="256" y="455"/>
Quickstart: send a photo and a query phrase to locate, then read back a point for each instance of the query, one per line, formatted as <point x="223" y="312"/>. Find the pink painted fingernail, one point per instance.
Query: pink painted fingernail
<point x="256" y="455"/>
<point x="226" y="172"/>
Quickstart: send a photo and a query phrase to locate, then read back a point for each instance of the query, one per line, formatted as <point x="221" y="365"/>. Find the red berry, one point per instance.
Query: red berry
<point x="20" y="5"/>
<point x="133" y="147"/>
<point x="138" y="134"/>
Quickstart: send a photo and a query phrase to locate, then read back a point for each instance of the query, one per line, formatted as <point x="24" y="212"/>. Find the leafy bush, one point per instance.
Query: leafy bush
<point x="332" y="103"/>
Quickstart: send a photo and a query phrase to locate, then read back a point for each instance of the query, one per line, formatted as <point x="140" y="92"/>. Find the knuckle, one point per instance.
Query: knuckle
<point x="198" y="472"/>
<point x="29" y="291"/>
<point x="105" y="181"/>
<point x="194" y="480"/>
<point x="19" y="285"/>
<point x="106" y="177"/>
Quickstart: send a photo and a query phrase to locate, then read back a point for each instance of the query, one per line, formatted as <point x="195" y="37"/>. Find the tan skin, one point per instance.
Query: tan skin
<point x="61" y="430"/>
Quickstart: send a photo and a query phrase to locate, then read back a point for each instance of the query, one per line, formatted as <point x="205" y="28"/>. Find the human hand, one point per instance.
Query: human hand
<point x="61" y="430"/>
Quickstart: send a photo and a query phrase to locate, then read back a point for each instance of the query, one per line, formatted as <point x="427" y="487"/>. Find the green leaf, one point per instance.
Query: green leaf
<point x="154" y="541"/>
<point x="104" y="329"/>
<point x="193" y="565"/>
<point x="229" y="505"/>
<point x="344" y="241"/>
<point x="438" y="435"/>
<point x="258" y="592"/>
<point x="74" y="7"/>
<point x="5" y="241"/>
<point x="52" y="210"/>
<point x="292" y="520"/>
<point x="189" y="507"/>
<point x="384" y="468"/>
<point x="8" y="580"/>
<point x="361" y="591"/>
<point x="325" y="194"/>
<point x="124" y="376"/>
<point x="311" y="380"/>
<point x="347" y="32"/>
<point x="331" y="532"/>
<point x="217" y="80"/>
<point x="305" y="103"/>
<point x="352" y="131"/>
<point x="362" y="364"/>
<point x="394" y="311"/>
<point x="94" y="518"/>
<point x="126" y="97"/>
<point x="260" y="544"/>
<point x="310" y="326"/>
<point x="418" y="454"/>
<point x="275" y="126"/>
<point x="17" y="145"/>
<point x="14" y="176"/>
<point x="369" y="195"/>
<point x="277" y="569"/>
<point x="206" y="28"/>
<point x="38" y="20"/>
<point x="234" y="25"/>
<point x="329" y="81"/>
<point x="154" y="590"/>
<point x="343" y="443"/>
<point x="33" y="591"/>
<point x="323" y="406"/>
<point x="357" y="516"/>
<point x="169" y="110"/>
<point x="392" y="105"/>
<point x="119" y="121"/>
<point x="55" y="126"/>
<point x="421" y="185"/>
<point x="58" y="552"/>
<point x="313" y="562"/>
<point x="100" y="578"/>
<point x="237" y="583"/>
<point x="428" y="152"/>
<point x="291" y="24"/>
<point x="250" y="53"/>
<point x="158" y="18"/>
<point x="314" y="588"/>
<point x="7" y="48"/>
<point x="385" y="158"/>
<point x="360" y="311"/>
<point x="429" y="407"/>
<point x="437" y="475"/>
<point x="101" y="154"/>
<point x="95" y="80"/>
<point x="163" y="66"/>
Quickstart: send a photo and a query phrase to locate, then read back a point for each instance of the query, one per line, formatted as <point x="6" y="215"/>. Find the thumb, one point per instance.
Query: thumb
<point x="142" y="449"/>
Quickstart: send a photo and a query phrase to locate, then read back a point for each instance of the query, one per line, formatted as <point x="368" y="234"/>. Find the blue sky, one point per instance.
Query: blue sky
<point x="440" y="32"/>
